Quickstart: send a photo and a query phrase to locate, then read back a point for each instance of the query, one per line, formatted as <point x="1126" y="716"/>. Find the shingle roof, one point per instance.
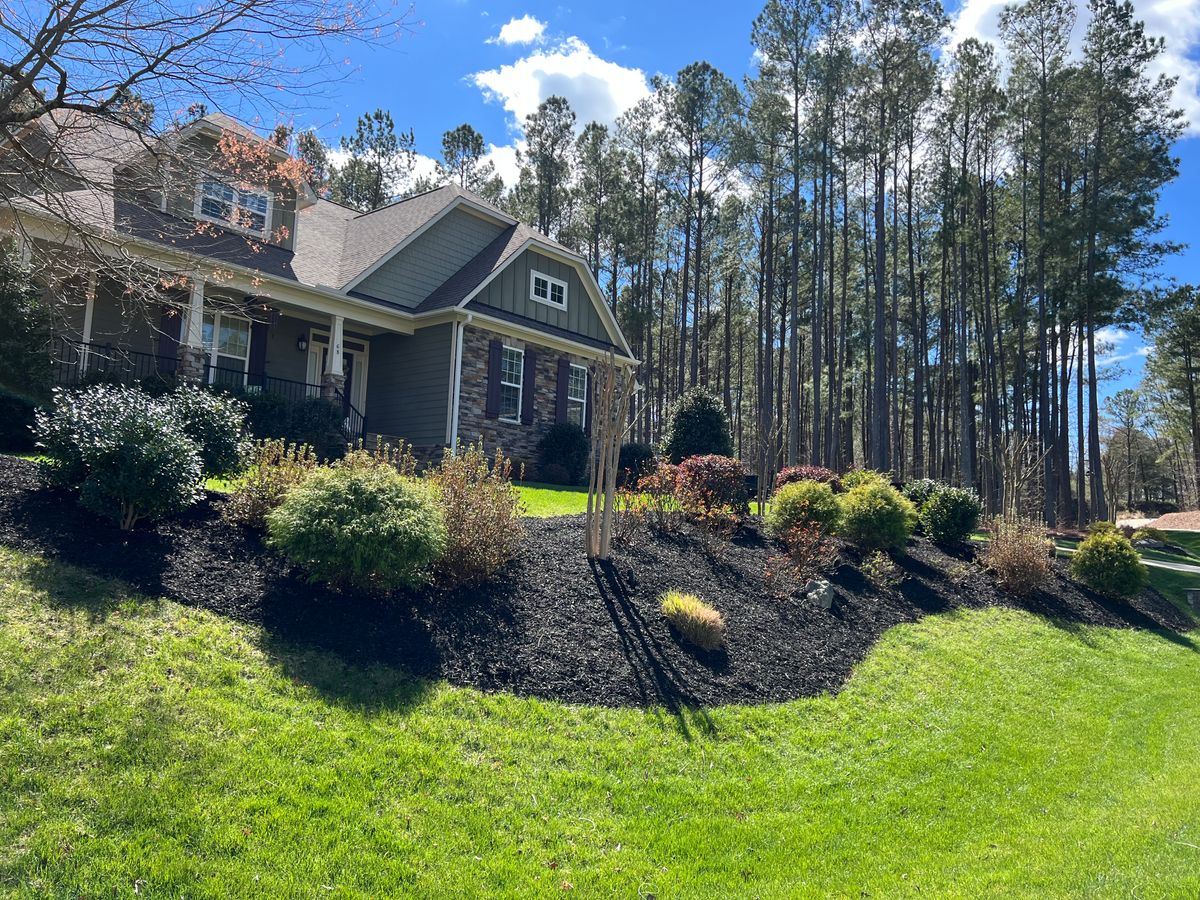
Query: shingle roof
<point x="458" y="286"/>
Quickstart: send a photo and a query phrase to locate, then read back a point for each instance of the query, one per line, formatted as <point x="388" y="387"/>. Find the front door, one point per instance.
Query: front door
<point x="354" y="367"/>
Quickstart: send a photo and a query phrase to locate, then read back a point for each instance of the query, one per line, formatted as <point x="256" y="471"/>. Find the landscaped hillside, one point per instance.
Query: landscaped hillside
<point x="161" y="750"/>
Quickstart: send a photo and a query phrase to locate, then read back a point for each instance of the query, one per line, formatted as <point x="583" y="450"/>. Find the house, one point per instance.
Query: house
<point x="436" y="319"/>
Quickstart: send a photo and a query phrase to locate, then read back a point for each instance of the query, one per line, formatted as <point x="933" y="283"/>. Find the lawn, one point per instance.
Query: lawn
<point x="545" y="500"/>
<point x="152" y="749"/>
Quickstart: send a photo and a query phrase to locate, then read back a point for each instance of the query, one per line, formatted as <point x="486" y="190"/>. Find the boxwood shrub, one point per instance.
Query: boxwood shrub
<point x="361" y="527"/>
<point x="563" y="454"/>
<point x="1108" y="564"/>
<point x="803" y="504"/>
<point x="949" y="514"/>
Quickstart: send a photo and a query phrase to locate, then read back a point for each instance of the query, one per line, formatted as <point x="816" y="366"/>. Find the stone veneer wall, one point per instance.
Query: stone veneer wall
<point x="518" y="441"/>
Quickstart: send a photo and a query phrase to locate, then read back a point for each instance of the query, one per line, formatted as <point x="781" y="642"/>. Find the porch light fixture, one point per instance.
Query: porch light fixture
<point x="302" y="343"/>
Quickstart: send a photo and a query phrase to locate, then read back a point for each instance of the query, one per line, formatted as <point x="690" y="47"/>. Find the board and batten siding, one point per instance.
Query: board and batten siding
<point x="424" y="265"/>
<point x="408" y="385"/>
<point x="509" y="291"/>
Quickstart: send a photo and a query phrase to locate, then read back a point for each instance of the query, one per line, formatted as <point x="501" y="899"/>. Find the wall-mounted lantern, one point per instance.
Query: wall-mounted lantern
<point x="302" y="343"/>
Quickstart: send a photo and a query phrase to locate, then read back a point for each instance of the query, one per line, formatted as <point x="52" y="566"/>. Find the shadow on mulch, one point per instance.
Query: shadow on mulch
<point x="552" y="625"/>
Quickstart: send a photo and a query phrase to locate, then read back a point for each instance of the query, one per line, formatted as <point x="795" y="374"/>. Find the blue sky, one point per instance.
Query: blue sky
<point x="491" y="63"/>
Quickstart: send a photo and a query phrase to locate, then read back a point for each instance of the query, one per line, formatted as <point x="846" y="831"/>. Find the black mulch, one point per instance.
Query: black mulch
<point x="552" y="626"/>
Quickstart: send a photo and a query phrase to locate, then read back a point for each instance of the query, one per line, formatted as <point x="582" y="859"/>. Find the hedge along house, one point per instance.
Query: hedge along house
<point x="436" y="319"/>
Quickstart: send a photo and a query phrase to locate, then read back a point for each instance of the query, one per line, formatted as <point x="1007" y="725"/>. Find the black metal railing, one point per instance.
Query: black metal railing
<point x="239" y="380"/>
<point x="354" y="423"/>
<point x="80" y="362"/>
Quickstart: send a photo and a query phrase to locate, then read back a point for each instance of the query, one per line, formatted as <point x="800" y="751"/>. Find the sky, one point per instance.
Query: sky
<point x="491" y="64"/>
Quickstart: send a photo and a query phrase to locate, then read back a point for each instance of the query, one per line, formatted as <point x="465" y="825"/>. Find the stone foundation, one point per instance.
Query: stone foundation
<point x="191" y="363"/>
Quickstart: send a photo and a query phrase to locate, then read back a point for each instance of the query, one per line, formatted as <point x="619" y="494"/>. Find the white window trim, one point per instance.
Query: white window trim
<point x="550" y="279"/>
<point x="584" y="401"/>
<point x="213" y="352"/>
<point x="519" y="385"/>
<point x="198" y="200"/>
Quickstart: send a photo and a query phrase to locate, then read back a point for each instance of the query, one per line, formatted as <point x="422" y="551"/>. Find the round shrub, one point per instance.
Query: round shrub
<point x="793" y="474"/>
<point x="875" y="516"/>
<point x="635" y="461"/>
<point x="216" y="422"/>
<point x="950" y="514"/>
<point x="803" y="504"/>
<point x="565" y="446"/>
<point x="697" y="426"/>
<point x="708" y="486"/>
<point x="921" y="489"/>
<point x="1107" y="563"/>
<point x="367" y="528"/>
<point x="856" y="477"/>
<point x="125" y="452"/>
<point x="1150" y="534"/>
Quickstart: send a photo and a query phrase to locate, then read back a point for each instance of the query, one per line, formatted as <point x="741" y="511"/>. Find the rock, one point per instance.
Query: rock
<point x="820" y="592"/>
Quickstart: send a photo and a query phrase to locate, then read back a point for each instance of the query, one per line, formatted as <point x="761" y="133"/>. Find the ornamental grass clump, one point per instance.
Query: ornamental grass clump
<point x="1108" y="563"/>
<point x="802" y="504"/>
<point x="361" y="527"/>
<point x="1019" y="555"/>
<point x="126" y="453"/>
<point x="275" y="468"/>
<point x="696" y="621"/>
<point x="482" y="513"/>
<point x="874" y="516"/>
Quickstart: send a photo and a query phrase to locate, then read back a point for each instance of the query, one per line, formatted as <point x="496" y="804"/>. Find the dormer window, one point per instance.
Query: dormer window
<point x="546" y="289"/>
<point x="230" y="207"/>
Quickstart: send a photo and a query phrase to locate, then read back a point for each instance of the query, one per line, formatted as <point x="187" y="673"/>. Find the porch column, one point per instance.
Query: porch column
<point x="89" y="312"/>
<point x="333" y="379"/>
<point x="191" y="349"/>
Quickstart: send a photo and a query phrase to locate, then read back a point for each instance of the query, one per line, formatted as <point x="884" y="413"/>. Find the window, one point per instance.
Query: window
<point x="227" y="346"/>
<point x="577" y="398"/>
<point x="545" y="289"/>
<point x="232" y="207"/>
<point x="512" y="368"/>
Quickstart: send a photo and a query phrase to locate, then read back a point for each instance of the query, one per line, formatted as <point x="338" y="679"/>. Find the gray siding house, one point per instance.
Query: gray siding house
<point x="437" y="319"/>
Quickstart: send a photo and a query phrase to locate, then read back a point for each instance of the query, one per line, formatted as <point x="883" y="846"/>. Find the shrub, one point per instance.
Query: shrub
<point x="482" y="513"/>
<point x="802" y="504"/>
<point x="275" y="468"/>
<point x="650" y="503"/>
<point x="216" y="422"/>
<point x="566" y="446"/>
<point x="875" y="516"/>
<point x="920" y="490"/>
<point x="1019" y="555"/>
<point x="125" y="452"/>
<point x="25" y="373"/>
<point x="635" y="461"/>
<point x="1108" y="564"/>
<point x="368" y="528"/>
<point x="712" y="489"/>
<point x="696" y="621"/>
<point x="809" y="552"/>
<point x="882" y="571"/>
<point x="1103" y="526"/>
<point x="313" y="421"/>
<point x="697" y="426"/>
<point x="397" y="456"/>
<point x="857" y="477"/>
<point x="950" y="514"/>
<point x="792" y="474"/>
<point x="1150" y="534"/>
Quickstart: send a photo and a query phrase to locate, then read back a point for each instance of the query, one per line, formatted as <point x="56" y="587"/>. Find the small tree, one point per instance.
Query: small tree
<point x="612" y="389"/>
<point x="697" y="426"/>
<point x="25" y="374"/>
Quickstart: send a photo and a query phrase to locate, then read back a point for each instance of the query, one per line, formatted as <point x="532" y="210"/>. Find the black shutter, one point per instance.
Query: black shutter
<point x="528" y="387"/>
<point x="560" y="397"/>
<point x="169" y="324"/>
<point x="258" y="354"/>
<point x="492" y="410"/>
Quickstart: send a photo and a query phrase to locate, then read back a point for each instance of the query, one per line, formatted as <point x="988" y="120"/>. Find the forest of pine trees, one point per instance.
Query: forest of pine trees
<point x="880" y="251"/>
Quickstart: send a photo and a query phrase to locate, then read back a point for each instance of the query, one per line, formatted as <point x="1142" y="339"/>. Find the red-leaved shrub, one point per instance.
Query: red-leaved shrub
<point x="712" y="489"/>
<point x="807" y="473"/>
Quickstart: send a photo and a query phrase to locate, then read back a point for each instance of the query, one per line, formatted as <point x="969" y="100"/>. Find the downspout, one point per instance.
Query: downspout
<point x="458" y="356"/>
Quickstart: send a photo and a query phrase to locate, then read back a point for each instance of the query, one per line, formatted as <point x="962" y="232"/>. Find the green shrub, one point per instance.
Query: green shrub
<point x="712" y="489"/>
<point x="1019" y="555"/>
<point x="564" y="445"/>
<point x="317" y="423"/>
<point x="1103" y="526"/>
<point x="802" y="504"/>
<point x="216" y="422"/>
<point x="482" y="512"/>
<point x="1108" y="564"/>
<point x="25" y="364"/>
<point x="875" y="516"/>
<point x="882" y="571"/>
<point x="950" y="514"/>
<point x="857" y="477"/>
<point x="1150" y="534"/>
<point x="635" y="461"/>
<point x="275" y="468"/>
<point x="367" y="528"/>
<point x="696" y="621"/>
<point x="921" y="489"/>
<point x="697" y="426"/>
<point x="126" y="453"/>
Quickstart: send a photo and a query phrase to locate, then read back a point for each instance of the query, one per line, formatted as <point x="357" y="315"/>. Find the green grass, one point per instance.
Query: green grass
<point x="544" y="500"/>
<point x="1188" y="540"/>
<point x="151" y="749"/>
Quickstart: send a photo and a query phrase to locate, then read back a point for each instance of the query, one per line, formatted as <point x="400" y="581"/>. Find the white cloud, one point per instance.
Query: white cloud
<point x="525" y="30"/>
<point x="1177" y="21"/>
<point x="423" y="166"/>
<point x="599" y="90"/>
<point x="505" y="161"/>
<point x="1118" y="345"/>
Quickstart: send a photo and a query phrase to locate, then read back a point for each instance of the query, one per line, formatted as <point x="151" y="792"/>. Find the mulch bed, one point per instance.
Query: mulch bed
<point x="551" y="626"/>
